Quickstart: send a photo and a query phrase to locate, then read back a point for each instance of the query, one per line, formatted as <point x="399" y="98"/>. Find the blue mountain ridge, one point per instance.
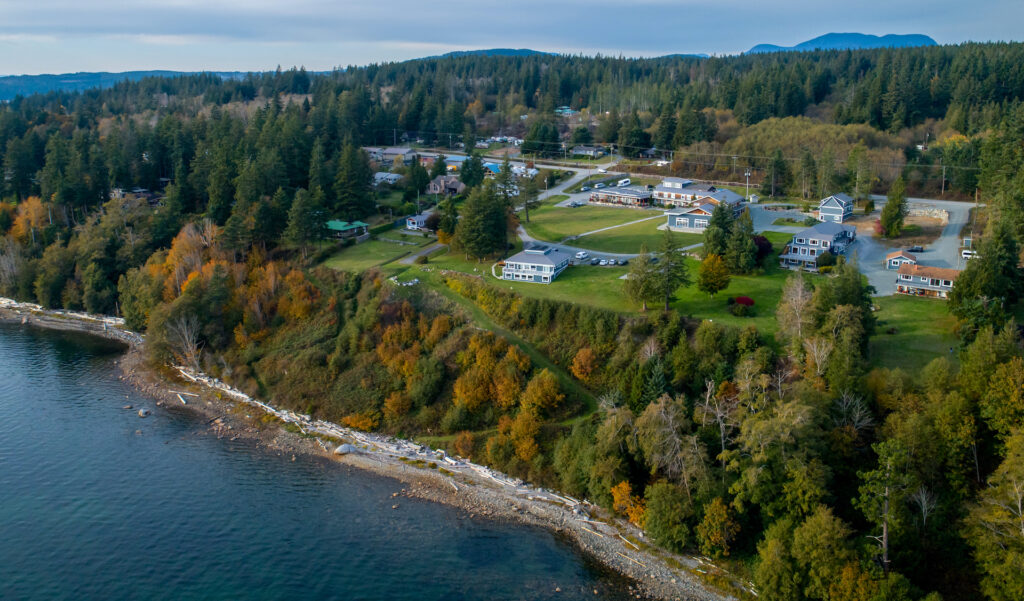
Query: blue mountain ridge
<point x="850" y="41"/>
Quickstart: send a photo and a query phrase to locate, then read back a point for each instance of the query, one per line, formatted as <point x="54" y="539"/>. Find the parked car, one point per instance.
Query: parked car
<point x="915" y="249"/>
<point x="624" y="182"/>
<point x="969" y="254"/>
<point x="582" y="254"/>
<point x="595" y="261"/>
<point x="599" y="185"/>
<point x="624" y="262"/>
<point x="602" y="170"/>
<point x="585" y="189"/>
<point x="603" y="262"/>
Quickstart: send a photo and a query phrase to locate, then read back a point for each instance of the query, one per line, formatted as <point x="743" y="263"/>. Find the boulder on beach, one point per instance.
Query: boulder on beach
<point x="143" y="412"/>
<point x="345" y="449"/>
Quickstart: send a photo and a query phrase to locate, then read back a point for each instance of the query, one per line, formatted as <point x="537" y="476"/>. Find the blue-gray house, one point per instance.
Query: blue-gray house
<point x="694" y="219"/>
<point x="836" y="208"/>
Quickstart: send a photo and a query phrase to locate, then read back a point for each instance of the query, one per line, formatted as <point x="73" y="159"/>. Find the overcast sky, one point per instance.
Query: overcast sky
<point x="58" y="36"/>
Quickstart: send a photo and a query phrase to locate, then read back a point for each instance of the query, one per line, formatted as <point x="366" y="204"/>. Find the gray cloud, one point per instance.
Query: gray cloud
<point x="321" y="33"/>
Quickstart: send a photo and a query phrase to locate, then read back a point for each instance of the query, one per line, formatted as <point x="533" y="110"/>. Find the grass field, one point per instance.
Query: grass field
<point x="923" y="331"/>
<point x="788" y="221"/>
<point x="373" y="253"/>
<point x="628" y="238"/>
<point x="554" y="224"/>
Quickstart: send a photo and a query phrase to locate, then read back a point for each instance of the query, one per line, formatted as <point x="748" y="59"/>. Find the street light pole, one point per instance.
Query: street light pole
<point x="747" y="175"/>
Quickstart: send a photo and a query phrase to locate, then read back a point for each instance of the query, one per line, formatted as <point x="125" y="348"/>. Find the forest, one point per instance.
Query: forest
<point x="791" y="457"/>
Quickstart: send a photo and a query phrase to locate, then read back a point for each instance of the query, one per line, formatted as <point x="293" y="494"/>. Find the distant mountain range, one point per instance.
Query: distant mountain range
<point x="24" y="85"/>
<point x="15" y="85"/>
<point x="850" y="41"/>
<point x="492" y="52"/>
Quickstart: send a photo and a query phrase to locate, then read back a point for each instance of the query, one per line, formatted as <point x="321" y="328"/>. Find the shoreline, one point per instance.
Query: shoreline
<point x="427" y="474"/>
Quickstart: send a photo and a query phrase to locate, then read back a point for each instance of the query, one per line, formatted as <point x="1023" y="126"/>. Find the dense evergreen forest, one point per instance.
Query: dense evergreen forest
<point x="817" y="474"/>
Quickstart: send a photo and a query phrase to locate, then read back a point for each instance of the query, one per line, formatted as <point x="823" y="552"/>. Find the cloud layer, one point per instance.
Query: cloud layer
<point x="63" y="35"/>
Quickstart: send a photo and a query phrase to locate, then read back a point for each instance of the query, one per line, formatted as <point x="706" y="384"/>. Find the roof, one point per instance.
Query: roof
<point x="726" y="196"/>
<point x="539" y="255"/>
<point x="706" y="208"/>
<point x="841" y="199"/>
<point x="631" y="191"/>
<point x="397" y="150"/>
<point x="939" y="273"/>
<point x="677" y="180"/>
<point x="343" y="226"/>
<point x="455" y="159"/>
<point x="900" y="253"/>
<point x="826" y="228"/>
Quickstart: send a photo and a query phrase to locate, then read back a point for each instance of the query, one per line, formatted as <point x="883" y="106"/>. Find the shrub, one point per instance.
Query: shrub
<point x="741" y="310"/>
<point x="464" y="444"/>
<point x="826" y="260"/>
<point x="421" y="260"/>
<point x="869" y="207"/>
<point x="810" y="221"/>
<point x="745" y="300"/>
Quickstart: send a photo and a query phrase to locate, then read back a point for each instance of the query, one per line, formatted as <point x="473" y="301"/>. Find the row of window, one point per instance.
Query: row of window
<point x="523" y="276"/>
<point x="813" y="242"/>
<point x="927" y="280"/>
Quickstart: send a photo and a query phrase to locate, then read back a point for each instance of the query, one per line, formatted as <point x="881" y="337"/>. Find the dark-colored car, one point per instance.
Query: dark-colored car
<point x="595" y="261"/>
<point x="624" y="262"/>
<point x="915" y="249"/>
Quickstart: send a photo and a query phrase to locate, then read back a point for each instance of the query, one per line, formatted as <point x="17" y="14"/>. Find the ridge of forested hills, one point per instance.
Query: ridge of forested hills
<point x="12" y="86"/>
<point x="850" y="41"/>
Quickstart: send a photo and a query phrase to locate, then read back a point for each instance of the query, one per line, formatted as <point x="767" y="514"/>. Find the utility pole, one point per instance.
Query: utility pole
<point x="943" y="180"/>
<point x="734" y="157"/>
<point x="747" y="175"/>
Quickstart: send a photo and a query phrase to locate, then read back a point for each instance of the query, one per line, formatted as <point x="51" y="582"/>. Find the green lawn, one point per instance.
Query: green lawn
<point x="554" y="224"/>
<point x="923" y="331"/>
<point x="371" y="253"/>
<point x="628" y="238"/>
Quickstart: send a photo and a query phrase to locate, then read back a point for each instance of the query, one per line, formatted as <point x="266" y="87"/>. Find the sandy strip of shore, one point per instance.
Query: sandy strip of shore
<point x="428" y="474"/>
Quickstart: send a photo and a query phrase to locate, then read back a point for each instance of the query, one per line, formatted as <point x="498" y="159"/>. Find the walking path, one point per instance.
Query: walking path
<point x="410" y="259"/>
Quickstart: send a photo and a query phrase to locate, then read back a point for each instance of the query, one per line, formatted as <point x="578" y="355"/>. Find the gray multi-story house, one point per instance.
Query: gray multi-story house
<point x="922" y="280"/>
<point x="836" y="208"/>
<point x="803" y="250"/>
<point x="540" y="264"/>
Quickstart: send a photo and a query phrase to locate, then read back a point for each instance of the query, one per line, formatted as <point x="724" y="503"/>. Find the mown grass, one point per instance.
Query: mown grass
<point x="554" y="224"/>
<point x="629" y="238"/>
<point x="922" y="330"/>
<point x="372" y="253"/>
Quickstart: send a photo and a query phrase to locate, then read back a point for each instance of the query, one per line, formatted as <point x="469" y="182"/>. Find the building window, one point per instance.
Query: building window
<point x="800" y="241"/>
<point x="814" y="242"/>
<point x="906" y="278"/>
<point x="824" y="243"/>
<point x="947" y="283"/>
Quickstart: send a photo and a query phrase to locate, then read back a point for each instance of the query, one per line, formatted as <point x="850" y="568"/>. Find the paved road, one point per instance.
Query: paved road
<point x="410" y="259"/>
<point x="870" y="251"/>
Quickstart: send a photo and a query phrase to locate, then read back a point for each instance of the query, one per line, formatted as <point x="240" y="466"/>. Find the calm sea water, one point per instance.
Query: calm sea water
<point x="96" y="503"/>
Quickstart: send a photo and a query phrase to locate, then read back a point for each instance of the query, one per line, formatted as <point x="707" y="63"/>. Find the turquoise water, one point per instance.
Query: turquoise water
<point x="97" y="503"/>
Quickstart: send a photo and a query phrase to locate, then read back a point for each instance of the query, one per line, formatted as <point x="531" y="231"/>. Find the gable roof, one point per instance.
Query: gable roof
<point x="343" y="226"/>
<point x="900" y="253"/>
<point x="839" y="200"/>
<point x="539" y="255"/>
<point x="826" y="228"/>
<point x="939" y="273"/>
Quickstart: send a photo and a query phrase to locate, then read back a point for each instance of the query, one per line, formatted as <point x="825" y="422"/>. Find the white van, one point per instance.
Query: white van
<point x="624" y="182"/>
<point x="969" y="254"/>
<point x="582" y="254"/>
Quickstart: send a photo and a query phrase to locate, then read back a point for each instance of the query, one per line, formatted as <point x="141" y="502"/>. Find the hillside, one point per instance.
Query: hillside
<point x="12" y="86"/>
<point x="850" y="41"/>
